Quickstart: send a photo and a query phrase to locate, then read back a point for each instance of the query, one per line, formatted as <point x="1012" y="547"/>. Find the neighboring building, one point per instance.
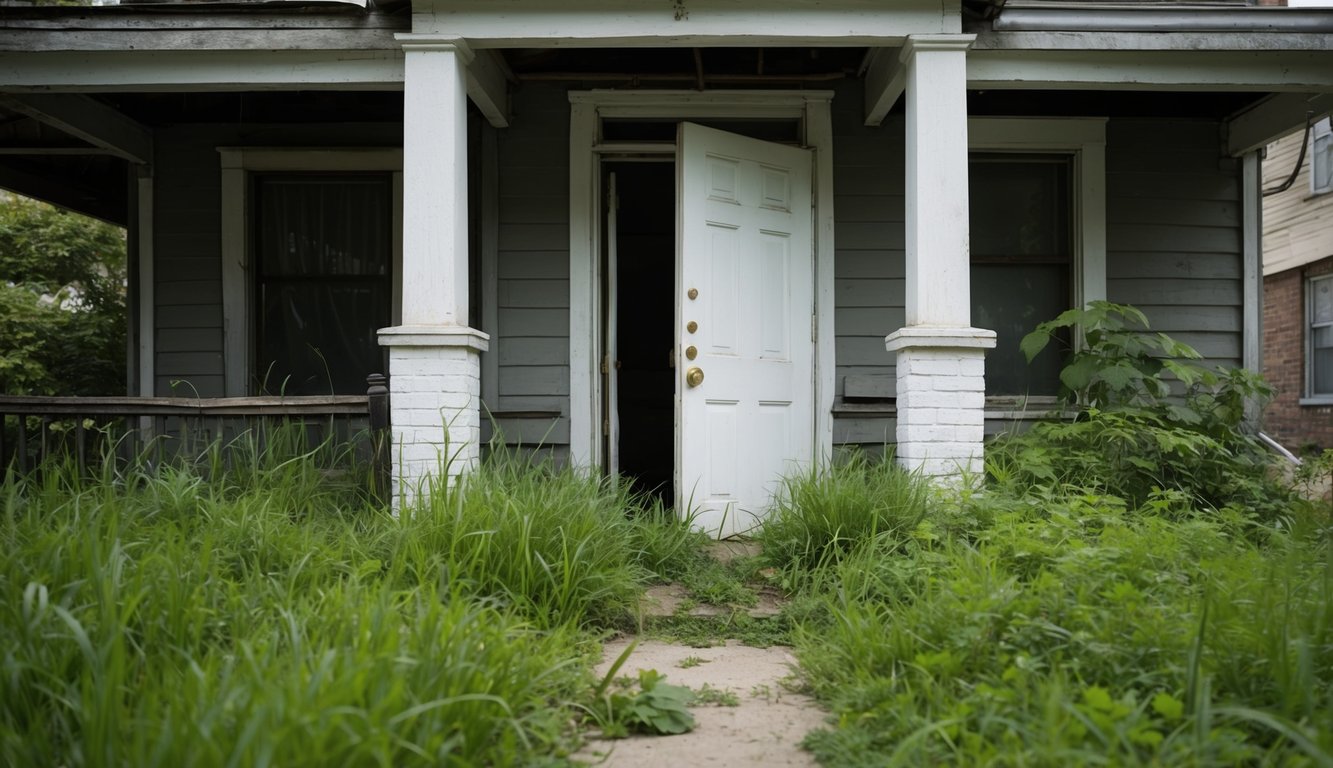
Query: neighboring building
<point x="667" y="239"/>
<point x="1298" y="289"/>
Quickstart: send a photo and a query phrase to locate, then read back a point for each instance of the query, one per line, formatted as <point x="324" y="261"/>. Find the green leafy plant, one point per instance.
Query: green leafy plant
<point x="1147" y="418"/>
<point x="656" y="707"/>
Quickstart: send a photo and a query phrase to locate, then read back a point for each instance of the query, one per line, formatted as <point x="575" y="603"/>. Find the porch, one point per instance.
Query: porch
<point x="505" y="299"/>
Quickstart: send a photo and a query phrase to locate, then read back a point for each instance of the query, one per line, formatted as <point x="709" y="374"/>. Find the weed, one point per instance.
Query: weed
<point x="655" y="708"/>
<point x="690" y="662"/>
<point x="708" y="631"/>
<point x="720" y="697"/>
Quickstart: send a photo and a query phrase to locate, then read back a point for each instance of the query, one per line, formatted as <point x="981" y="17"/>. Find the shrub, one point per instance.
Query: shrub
<point x="1146" y="420"/>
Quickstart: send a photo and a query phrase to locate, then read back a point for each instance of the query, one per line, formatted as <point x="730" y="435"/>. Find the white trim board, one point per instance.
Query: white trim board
<point x="238" y="70"/>
<point x="235" y="164"/>
<point x="1151" y="70"/>
<point x="615" y="23"/>
<point x="1085" y="140"/>
<point x="585" y="239"/>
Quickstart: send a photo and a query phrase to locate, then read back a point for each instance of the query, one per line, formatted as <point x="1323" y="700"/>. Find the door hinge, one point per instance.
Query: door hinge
<point x="606" y="427"/>
<point x="606" y="364"/>
<point x="814" y="328"/>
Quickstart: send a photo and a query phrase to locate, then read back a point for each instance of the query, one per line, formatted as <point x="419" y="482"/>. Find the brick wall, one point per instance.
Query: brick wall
<point x="1290" y="423"/>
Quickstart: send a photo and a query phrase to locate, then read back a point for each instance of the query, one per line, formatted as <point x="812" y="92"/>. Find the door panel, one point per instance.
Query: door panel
<point x="744" y="240"/>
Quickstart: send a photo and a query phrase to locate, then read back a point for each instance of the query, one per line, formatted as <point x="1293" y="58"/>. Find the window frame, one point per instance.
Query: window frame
<point x="1321" y="133"/>
<point x="1084" y="141"/>
<point x="239" y="309"/>
<point x="1311" y="396"/>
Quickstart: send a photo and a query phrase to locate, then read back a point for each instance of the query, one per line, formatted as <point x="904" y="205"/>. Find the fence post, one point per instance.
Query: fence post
<point x="381" y="438"/>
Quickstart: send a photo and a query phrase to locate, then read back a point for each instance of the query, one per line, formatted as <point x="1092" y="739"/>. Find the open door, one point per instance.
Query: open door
<point x="744" y="309"/>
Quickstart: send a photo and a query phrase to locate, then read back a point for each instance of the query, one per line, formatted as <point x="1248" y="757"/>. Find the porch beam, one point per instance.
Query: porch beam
<point x="488" y="87"/>
<point x="88" y="120"/>
<point x="240" y="70"/>
<point x="1273" y="118"/>
<point x="704" y="23"/>
<point x="75" y="195"/>
<point x="885" y="80"/>
<point x="1174" y="70"/>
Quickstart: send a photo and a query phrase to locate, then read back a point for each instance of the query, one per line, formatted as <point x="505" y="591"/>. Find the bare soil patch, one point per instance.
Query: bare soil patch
<point x="765" y="726"/>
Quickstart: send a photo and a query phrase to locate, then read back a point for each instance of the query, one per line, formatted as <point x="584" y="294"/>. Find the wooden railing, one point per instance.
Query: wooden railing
<point x="89" y="429"/>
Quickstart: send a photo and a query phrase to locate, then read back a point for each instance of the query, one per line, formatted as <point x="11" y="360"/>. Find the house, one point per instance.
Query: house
<point x="1298" y="286"/>
<point x="697" y="242"/>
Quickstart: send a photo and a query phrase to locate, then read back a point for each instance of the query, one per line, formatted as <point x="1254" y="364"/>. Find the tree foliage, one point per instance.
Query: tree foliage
<point x="62" y="302"/>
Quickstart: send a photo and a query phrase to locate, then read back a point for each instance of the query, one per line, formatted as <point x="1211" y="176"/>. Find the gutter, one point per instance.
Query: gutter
<point x="1064" y="18"/>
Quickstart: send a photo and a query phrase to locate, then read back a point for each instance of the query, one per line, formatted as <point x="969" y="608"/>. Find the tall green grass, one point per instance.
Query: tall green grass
<point x="829" y="510"/>
<point x="257" y="609"/>
<point x="1059" y="627"/>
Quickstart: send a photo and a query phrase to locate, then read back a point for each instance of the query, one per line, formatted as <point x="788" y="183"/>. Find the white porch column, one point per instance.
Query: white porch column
<point x="940" y="363"/>
<point x="434" y="357"/>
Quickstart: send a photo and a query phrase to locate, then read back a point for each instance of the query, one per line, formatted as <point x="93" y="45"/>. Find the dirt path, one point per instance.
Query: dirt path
<point x="764" y="728"/>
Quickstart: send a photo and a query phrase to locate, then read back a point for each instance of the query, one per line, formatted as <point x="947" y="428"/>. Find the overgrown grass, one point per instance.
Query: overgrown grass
<point x="1060" y="627"/>
<point x="828" y="511"/>
<point x="263" y="613"/>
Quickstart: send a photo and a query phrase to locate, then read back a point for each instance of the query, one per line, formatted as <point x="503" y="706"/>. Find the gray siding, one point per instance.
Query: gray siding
<point x="1173" y="240"/>
<point x="532" y="337"/>
<point x="868" y="206"/>
<point x="187" y="265"/>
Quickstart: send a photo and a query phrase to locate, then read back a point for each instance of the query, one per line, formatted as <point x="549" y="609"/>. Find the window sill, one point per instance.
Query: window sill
<point x="1318" y="400"/>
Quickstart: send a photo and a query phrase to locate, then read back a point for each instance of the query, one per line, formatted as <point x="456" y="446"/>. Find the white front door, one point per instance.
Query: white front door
<point x="744" y="284"/>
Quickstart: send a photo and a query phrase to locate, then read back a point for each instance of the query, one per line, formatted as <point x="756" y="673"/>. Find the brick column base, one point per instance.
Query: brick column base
<point x="434" y="405"/>
<point x="941" y="399"/>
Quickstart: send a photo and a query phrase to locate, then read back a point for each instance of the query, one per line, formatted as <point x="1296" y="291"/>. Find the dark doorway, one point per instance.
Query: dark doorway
<point x="645" y="318"/>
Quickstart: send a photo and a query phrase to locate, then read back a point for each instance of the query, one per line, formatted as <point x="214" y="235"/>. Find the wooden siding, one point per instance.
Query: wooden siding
<point x="869" y="262"/>
<point x="1298" y="227"/>
<point x="531" y="340"/>
<point x="187" y="266"/>
<point x="1173" y="240"/>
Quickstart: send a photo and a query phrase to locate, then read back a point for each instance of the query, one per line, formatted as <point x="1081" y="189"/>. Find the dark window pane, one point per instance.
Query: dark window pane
<point x="320" y="338"/>
<point x="1019" y="208"/>
<point x="1011" y="300"/>
<point x="318" y="226"/>
<point x="323" y="253"/>
<point x="1021" y="243"/>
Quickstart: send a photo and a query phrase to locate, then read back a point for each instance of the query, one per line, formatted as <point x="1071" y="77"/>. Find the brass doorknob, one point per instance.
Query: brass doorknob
<point x="694" y="376"/>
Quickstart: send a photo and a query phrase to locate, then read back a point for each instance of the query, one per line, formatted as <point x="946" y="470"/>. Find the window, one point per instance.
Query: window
<point x="311" y="241"/>
<point x="1321" y="157"/>
<point x="1038" y="236"/>
<point x="322" y="255"/>
<point x="1320" y="354"/>
<point x="1022" y="255"/>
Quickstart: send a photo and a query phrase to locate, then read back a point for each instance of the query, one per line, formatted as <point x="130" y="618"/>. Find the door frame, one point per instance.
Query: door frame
<point x="586" y="149"/>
